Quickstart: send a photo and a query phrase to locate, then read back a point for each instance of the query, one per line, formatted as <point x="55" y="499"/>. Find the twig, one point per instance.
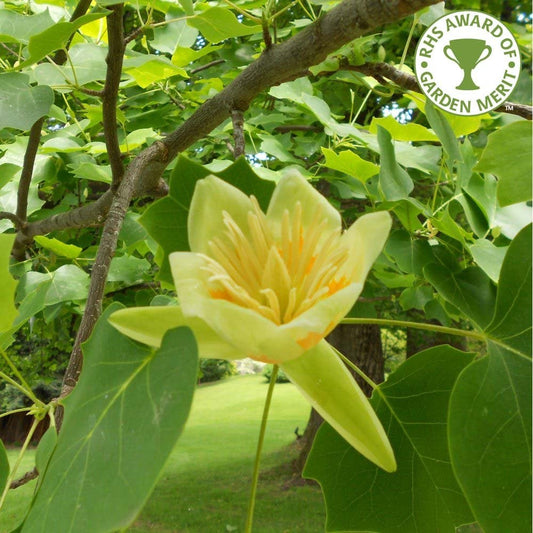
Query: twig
<point x="26" y="478"/>
<point x="238" y="132"/>
<point x="14" y="218"/>
<point x="114" y="59"/>
<point x="106" y="251"/>
<point x="27" y="170"/>
<point x="134" y="34"/>
<point x="379" y="71"/>
<point x="207" y="65"/>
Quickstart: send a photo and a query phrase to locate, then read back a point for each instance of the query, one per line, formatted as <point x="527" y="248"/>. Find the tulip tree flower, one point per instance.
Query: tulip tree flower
<point x="271" y="287"/>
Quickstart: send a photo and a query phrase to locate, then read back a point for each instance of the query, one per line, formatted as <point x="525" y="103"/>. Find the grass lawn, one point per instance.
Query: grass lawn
<point x="205" y="484"/>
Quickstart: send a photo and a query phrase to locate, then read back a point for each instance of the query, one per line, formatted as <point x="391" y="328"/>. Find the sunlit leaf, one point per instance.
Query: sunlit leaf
<point x="218" y="23"/>
<point x="62" y="249"/>
<point x="55" y="37"/>
<point x="7" y="284"/>
<point x="500" y="158"/>
<point x="350" y="163"/>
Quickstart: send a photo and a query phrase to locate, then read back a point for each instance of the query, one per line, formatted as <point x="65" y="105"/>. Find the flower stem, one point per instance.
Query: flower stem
<point x="415" y="325"/>
<point x="255" y="476"/>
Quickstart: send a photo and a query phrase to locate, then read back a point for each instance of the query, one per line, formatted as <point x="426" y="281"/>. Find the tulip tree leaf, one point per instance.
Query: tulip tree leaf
<point x="470" y="290"/>
<point x="20" y="104"/>
<point x="413" y="407"/>
<point x="444" y="131"/>
<point x="512" y="318"/>
<point x="500" y="158"/>
<point x="124" y="416"/>
<point x="70" y="251"/>
<point x="350" y="163"/>
<point x="7" y="284"/>
<point x="15" y="27"/>
<point x="166" y="219"/>
<point x="394" y="181"/>
<point x="55" y="37"/>
<point x="489" y="257"/>
<point x="218" y="23"/>
<point x="490" y="439"/>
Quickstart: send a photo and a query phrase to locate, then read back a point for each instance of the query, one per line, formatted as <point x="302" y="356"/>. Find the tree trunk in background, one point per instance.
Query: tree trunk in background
<point x="419" y="339"/>
<point x="362" y="345"/>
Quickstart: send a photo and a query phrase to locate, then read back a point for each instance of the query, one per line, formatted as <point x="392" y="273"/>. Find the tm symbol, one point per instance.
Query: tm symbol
<point x="509" y="107"/>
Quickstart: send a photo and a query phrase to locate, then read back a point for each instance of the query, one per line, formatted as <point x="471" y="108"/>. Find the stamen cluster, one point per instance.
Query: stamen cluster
<point x="281" y="277"/>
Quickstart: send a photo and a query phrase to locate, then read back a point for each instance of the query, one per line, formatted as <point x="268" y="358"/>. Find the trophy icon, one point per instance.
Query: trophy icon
<point x="467" y="53"/>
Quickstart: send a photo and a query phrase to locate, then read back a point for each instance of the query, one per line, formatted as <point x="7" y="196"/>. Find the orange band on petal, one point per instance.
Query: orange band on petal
<point x="310" y="340"/>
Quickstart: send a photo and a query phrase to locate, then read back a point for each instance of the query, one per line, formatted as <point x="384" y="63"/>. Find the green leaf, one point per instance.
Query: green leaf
<point x="69" y="251"/>
<point x="4" y="467"/>
<point x="423" y="494"/>
<point x="183" y="56"/>
<point x="444" y="131"/>
<point x="394" y="181"/>
<point x="15" y="27"/>
<point x="411" y="255"/>
<point x="350" y="163"/>
<point x="55" y="37"/>
<point x="490" y="439"/>
<point x="128" y="269"/>
<point x="166" y="219"/>
<point x="489" y="257"/>
<point x="512" y="318"/>
<point x="148" y="69"/>
<point x="7" y="284"/>
<point x="415" y="297"/>
<point x="20" y="104"/>
<point x="508" y="156"/>
<point x="402" y="132"/>
<point x="124" y="416"/>
<point x="218" y="23"/>
<point x="69" y="283"/>
<point x="470" y="290"/>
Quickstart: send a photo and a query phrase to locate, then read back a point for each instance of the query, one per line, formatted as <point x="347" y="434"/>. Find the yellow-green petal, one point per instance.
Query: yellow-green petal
<point x="149" y="324"/>
<point x="329" y="387"/>
<point x="318" y="321"/>
<point x="365" y="240"/>
<point x="293" y="188"/>
<point x="249" y="332"/>
<point x="212" y="196"/>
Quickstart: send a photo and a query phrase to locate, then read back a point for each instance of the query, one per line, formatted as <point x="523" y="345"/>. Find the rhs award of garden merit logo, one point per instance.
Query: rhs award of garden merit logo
<point x="467" y="63"/>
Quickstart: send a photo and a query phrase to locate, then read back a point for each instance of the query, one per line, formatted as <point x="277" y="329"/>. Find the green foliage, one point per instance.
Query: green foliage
<point x="280" y="378"/>
<point x="215" y="370"/>
<point x="413" y="405"/>
<point x="136" y="398"/>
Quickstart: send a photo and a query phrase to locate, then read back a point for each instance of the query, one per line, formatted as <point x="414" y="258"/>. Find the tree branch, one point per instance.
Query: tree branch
<point x="238" y="133"/>
<point x="207" y="65"/>
<point x="106" y="250"/>
<point x="114" y="59"/>
<point x="280" y="63"/>
<point x="407" y="81"/>
<point x="14" y="218"/>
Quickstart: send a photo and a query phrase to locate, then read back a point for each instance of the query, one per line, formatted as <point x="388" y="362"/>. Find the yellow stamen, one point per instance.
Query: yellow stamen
<point x="281" y="277"/>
